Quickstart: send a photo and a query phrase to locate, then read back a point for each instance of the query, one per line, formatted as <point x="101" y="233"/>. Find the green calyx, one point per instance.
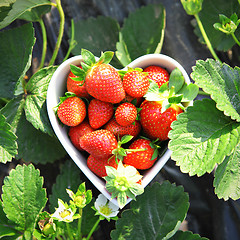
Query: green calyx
<point x="122" y="183"/>
<point x="121" y="152"/>
<point x="176" y="91"/>
<point x="89" y="61"/>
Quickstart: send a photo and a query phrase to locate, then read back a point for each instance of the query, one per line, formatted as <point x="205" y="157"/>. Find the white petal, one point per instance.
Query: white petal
<point x="113" y="207"/>
<point x="100" y="201"/>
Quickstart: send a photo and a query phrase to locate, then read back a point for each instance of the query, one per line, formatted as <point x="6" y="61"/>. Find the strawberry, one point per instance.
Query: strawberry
<point x="97" y="165"/>
<point x="141" y="159"/>
<point x="126" y="114"/>
<point x="75" y="133"/>
<point x="135" y="83"/>
<point x="76" y="86"/>
<point x="120" y="131"/>
<point x="71" y="111"/>
<point x="99" y="113"/>
<point x="102" y="80"/>
<point x="157" y="74"/>
<point x="155" y="123"/>
<point x="99" y="143"/>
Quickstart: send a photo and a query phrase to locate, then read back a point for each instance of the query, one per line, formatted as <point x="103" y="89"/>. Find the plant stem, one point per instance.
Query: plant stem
<point x="69" y="231"/>
<point x="93" y="228"/>
<point x="206" y="39"/>
<point x="44" y="49"/>
<point x="235" y="39"/>
<point x="60" y="34"/>
<point x="80" y="224"/>
<point x="72" y="42"/>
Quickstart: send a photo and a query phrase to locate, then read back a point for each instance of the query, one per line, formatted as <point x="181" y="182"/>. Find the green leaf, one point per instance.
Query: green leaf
<point x="24" y="196"/>
<point x="186" y="235"/>
<point x="227" y="176"/>
<point x="6" y="228"/>
<point x="189" y="92"/>
<point x="202" y="137"/>
<point x="222" y="83"/>
<point x="19" y="7"/>
<point x="8" y="144"/>
<point x="149" y="20"/>
<point x="69" y="178"/>
<point x="18" y="60"/>
<point x="35" y="106"/>
<point x="96" y="34"/>
<point x="33" y="145"/>
<point x="35" y="14"/>
<point x="210" y="15"/>
<point x="176" y="80"/>
<point x="154" y="215"/>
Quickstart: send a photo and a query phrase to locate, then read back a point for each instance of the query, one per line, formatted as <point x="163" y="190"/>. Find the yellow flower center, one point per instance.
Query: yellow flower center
<point x="64" y="213"/>
<point x="105" y="210"/>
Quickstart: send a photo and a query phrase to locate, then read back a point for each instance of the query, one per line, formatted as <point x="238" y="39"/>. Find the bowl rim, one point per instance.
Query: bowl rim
<point x="52" y="100"/>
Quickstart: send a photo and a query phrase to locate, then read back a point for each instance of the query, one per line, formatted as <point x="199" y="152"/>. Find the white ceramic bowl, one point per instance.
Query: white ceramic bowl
<point x="57" y="88"/>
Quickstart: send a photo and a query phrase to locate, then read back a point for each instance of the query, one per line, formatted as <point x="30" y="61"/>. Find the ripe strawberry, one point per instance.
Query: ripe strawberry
<point x="75" y="86"/>
<point x="99" y="143"/>
<point x="71" y="111"/>
<point x="97" y="165"/>
<point x="120" y="131"/>
<point x="75" y="133"/>
<point x="135" y="83"/>
<point x="157" y="74"/>
<point x="102" y="80"/>
<point x="141" y="159"/>
<point x="126" y="114"/>
<point x="99" y="113"/>
<point x="156" y="124"/>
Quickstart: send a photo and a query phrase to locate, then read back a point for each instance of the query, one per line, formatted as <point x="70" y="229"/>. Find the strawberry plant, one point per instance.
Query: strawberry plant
<point x="203" y="138"/>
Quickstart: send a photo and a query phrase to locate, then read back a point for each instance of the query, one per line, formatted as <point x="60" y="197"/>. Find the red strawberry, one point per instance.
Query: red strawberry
<point x="157" y="74"/>
<point x="141" y="159"/>
<point x="99" y="113"/>
<point x="120" y="131"/>
<point x="135" y="83"/>
<point x="156" y="124"/>
<point x="126" y="114"/>
<point x="71" y="111"/>
<point x="99" y="143"/>
<point x="75" y="133"/>
<point x="97" y="165"/>
<point x="104" y="83"/>
<point x="77" y="87"/>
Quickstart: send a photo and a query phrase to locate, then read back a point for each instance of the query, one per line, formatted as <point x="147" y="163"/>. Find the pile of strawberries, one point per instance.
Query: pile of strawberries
<point x="106" y="109"/>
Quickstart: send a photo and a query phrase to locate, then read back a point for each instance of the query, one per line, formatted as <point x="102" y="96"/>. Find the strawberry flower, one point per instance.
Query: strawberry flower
<point x="64" y="212"/>
<point x="105" y="208"/>
<point x="123" y="182"/>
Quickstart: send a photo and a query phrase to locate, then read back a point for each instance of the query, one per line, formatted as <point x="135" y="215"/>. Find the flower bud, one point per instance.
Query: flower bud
<point x="192" y="7"/>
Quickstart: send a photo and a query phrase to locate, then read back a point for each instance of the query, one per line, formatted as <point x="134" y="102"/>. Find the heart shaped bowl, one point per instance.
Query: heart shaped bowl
<point x="57" y="88"/>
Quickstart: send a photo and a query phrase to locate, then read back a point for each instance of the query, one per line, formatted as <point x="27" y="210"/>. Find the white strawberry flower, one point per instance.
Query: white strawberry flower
<point x="105" y="208"/>
<point x="63" y="212"/>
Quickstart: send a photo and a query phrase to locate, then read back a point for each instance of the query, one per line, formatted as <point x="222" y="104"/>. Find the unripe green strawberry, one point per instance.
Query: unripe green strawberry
<point x="126" y="114"/>
<point x="135" y="83"/>
<point x="99" y="113"/>
<point x="99" y="143"/>
<point x="76" y="132"/>
<point x="157" y="74"/>
<point x="141" y="159"/>
<point x="72" y="111"/>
